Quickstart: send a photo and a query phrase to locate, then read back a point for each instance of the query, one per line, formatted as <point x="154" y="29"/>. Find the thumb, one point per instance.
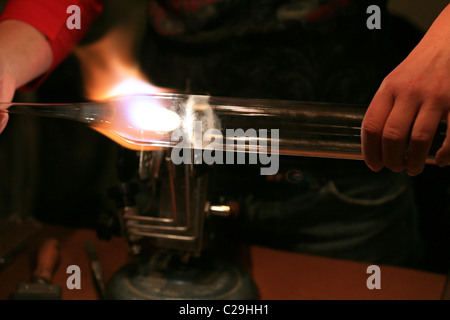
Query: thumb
<point x="3" y="121"/>
<point x="7" y="92"/>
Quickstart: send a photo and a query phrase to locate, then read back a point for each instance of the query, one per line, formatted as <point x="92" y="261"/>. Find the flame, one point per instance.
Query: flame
<point x="110" y="70"/>
<point x="151" y="118"/>
<point x="145" y="122"/>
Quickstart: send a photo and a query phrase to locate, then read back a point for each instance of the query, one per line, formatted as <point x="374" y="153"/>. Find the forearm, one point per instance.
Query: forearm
<point x="48" y="18"/>
<point x="439" y="32"/>
<point x="24" y="52"/>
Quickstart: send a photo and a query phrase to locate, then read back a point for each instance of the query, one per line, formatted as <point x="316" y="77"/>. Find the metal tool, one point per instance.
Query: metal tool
<point x="446" y="291"/>
<point x="96" y="269"/>
<point x="14" y="231"/>
<point x="41" y="286"/>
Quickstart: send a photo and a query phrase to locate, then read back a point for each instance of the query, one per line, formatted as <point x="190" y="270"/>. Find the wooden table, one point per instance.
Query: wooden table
<point x="279" y="275"/>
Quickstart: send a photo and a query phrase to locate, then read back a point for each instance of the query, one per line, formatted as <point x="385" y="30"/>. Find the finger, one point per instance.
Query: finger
<point x="372" y="129"/>
<point x="422" y="134"/>
<point x="3" y="121"/>
<point x="442" y="157"/>
<point x="396" y="132"/>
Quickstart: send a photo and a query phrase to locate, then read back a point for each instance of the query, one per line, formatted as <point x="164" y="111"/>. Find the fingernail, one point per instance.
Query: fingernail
<point x="376" y="167"/>
<point x="3" y="120"/>
<point x="441" y="160"/>
<point x="442" y="163"/>
<point x="414" y="172"/>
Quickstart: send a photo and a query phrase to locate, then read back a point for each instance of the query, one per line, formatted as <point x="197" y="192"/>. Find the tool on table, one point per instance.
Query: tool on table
<point x="446" y="292"/>
<point x="41" y="287"/>
<point x="96" y="269"/>
<point x="14" y="232"/>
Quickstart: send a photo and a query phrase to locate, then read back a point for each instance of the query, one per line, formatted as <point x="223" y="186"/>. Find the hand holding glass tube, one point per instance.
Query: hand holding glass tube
<point x="147" y="122"/>
<point x="25" y="54"/>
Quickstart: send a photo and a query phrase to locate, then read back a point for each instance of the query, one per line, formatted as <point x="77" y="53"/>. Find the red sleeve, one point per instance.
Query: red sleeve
<point x="49" y="17"/>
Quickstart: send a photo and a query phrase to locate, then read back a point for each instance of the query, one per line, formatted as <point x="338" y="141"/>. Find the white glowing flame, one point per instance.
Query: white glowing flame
<point x="133" y="86"/>
<point x="144" y="112"/>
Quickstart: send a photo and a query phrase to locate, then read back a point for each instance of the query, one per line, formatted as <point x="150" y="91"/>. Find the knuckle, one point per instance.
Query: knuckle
<point x="437" y="87"/>
<point x="398" y="83"/>
<point x="389" y="84"/>
<point x="412" y="92"/>
<point x="437" y="98"/>
<point x="371" y="127"/>
<point x="421" y="138"/>
<point x="392" y="135"/>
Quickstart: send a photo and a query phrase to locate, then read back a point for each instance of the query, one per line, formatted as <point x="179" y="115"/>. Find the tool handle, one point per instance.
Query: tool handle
<point x="47" y="259"/>
<point x="446" y="291"/>
<point x="96" y="269"/>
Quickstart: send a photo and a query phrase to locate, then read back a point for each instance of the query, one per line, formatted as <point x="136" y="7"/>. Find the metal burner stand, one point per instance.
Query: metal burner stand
<point x="180" y="265"/>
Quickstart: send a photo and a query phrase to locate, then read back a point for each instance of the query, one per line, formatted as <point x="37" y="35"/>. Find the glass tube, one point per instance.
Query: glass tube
<point x="149" y="122"/>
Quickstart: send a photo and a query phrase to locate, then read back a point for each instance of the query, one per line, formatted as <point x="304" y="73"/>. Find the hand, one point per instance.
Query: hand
<point x="25" y="54"/>
<point x="7" y="90"/>
<point x="409" y="104"/>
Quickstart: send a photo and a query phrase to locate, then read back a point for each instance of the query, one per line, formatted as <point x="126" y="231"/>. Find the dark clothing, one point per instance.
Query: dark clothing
<point x="288" y="50"/>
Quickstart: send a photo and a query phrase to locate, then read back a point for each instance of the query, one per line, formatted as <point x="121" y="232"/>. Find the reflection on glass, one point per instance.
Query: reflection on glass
<point x="146" y="122"/>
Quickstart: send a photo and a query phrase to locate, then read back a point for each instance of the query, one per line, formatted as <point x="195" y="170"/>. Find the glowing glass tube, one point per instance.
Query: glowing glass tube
<point x="151" y="121"/>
